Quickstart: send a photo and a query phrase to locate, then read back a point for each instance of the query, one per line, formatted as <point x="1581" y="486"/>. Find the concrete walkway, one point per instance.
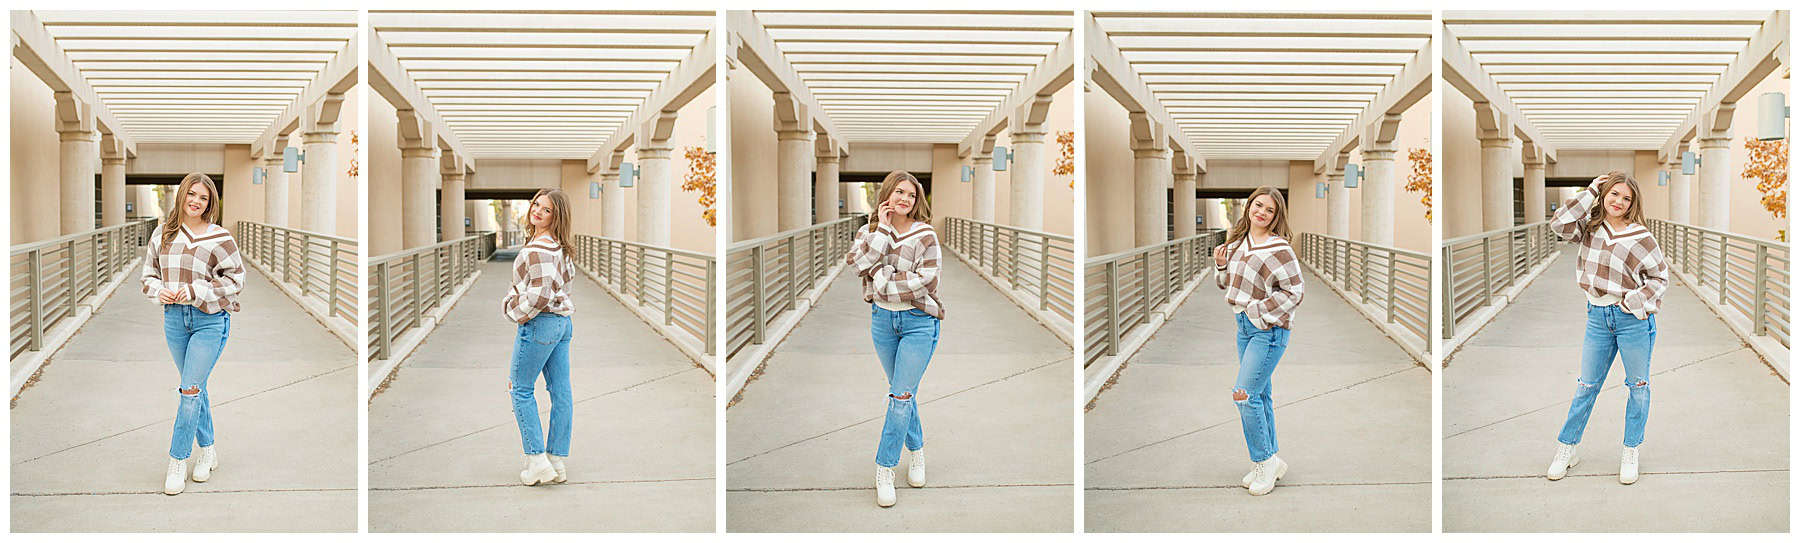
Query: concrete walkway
<point x="1715" y="455"/>
<point x="1165" y="451"/>
<point x="995" y="405"/>
<point x="90" y="440"/>
<point x="444" y="451"/>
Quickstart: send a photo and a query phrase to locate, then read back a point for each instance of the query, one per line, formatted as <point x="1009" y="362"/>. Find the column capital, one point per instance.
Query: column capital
<point x="112" y="161"/>
<point x="1534" y="164"/>
<point x="1185" y="176"/>
<point x="1715" y="141"/>
<point x="1492" y="124"/>
<point x="414" y="133"/>
<point x="982" y="158"/>
<point x="1150" y="152"/>
<point x="829" y="159"/>
<point x="1378" y="154"/>
<point x="653" y="153"/>
<point x="74" y="115"/>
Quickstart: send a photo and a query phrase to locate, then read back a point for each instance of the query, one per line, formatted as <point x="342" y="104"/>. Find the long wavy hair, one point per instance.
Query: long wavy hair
<point x="921" y="210"/>
<point x="1241" y="228"/>
<point x="559" y="219"/>
<point x="171" y="222"/>
<point x="1634" y="213"/>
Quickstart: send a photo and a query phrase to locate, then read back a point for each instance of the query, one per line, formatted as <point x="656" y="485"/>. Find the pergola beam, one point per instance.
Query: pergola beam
<point x="1047" y="78"/>
<point x="1407" y="88"/>
<point x="1766" y="52"/>
<point x="692" y="76"/>
<point x="1461" y="71"/>
<point x="1114" y="74"/>
<point x="338" y="77"/>
<point x="388" y="78"/>
<point x="38" y="51"/>
<point x="749" y="44"/>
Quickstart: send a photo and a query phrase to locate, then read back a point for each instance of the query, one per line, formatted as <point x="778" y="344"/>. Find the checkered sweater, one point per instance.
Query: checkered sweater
<point x="540" y="282"/>
<point x="1625" y="265"/>
<point x="899" y="268"/>
<point x="1262" y="281"/>
<point x="206" y="266"/>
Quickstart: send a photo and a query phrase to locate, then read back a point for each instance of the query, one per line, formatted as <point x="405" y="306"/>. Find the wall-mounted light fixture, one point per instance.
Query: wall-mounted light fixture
<point x="1662" y="178"/>
<point x="1001" y="157"/>
<point x="627" y="175"/>
<point x="593" y="190"/>
<point x="1352" y="175"/>
<point x="1772" y="116"/>
<point x="968" y="174"/>
<point x="257" y="175"/>
<point x="291" y="158"/>
<point x="1319" y="190"/>
<point x="1690" y="163"/>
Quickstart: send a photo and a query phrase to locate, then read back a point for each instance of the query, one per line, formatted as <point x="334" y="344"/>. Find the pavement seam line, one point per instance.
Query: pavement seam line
<point x="927" y="402"/>
<point x="511" y="485"/>
<point x="1616" y="474"/>
<point x="541" y="411"/>
<point x="170" y="419"/>
<point x="927" y="487"/>
<point x="1602" y="390"/>
<point x="1281" y="406"/>
<point x="1240" y="488"/>
<point x="159" y="493"/>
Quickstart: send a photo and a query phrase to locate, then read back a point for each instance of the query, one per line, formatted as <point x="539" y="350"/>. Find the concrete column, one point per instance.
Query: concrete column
<point x="1715" y="182"/>
<point x="825" y="189"/>
<point x="982" y="201"/>
<point x="1151" y="179"/>
<point x="612" y="206"/>
<point x="1535" y="207"/>
<point x="1028" y="172"/>
<point x="1496" y="184"/>
<point x="1680" y="199"/>
<point x="653" y="192"/>
<point x="1337" y="204"/>
<point x="1185" y="203"/>
<point x="318" y="178"/>
<point x="275" y="189"/>
<point x="1378" y="193"/>
<point x="419" y="178"/>
<point x="793" y="163"/>
<point x="112" y="191"/>
<point x="78" y="155"/>
<point x="451" y="204"/>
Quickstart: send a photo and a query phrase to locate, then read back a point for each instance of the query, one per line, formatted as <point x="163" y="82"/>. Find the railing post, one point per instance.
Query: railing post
<point x="707" y="313"/>
<point x="387" y="316"/>
<point x="756" y="276"/>
<point x="35" y="259"/>
<point x="1487" y="273"/>
<point x="94" y="267"/>
<point x="793" y="290"/>
<point x="1112" y="308"/>
<point x="1043" y="277"/>
<point x="668" y="289"/>
<point x="69" y="280"/>
<point x="331" y="280"/>
<point x="1762" y="290"/>
<point x="1449" y="296"/>
<point x="1393" y="267"/>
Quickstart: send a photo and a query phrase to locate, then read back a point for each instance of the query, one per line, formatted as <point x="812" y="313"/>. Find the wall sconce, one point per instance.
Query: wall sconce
<point x="1690" y="163"/>
<point x="593" y="190"/>
<point x="1662" y="178"/>
<point x="967" y="173"/>
<point x="1319" y="190"/>
<point x="1001" y="157"/>
<point x="291" y="158"/>
<point x="1352" y="175"/>
<point x="1772" y="116"/>
<point x="627" y="175"/>
<point x="256" y="175"/>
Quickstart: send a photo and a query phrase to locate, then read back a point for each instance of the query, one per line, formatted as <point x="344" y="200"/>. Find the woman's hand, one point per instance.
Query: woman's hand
<point x="1219" y="256"/>
<point x="885" y="213"/>
<point x="166" y="296"/>
<point x="1595" y="184"/>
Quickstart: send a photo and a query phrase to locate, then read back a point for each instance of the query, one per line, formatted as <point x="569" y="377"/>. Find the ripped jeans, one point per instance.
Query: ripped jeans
<point x="1611" y="331"/>
<point x="542" y="348"/>
<point x="1258" y="352"/>
<point x="904" y="341"/>
<point x="195" y="340"/>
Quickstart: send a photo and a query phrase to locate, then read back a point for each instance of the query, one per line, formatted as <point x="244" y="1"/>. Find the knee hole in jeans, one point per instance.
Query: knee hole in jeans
<point x="1238" y="395"/>
<point x="1640" y="383"/>
<point x="190" y="391"/>
<point x="1586" y="385"/>
<point x="901" y="397"/>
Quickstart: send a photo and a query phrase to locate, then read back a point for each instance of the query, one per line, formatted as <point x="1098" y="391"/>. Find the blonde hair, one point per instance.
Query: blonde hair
<point x="1241" y="228"/>
<point x="921" y="210"/>
<point x="559" y="218"/>
<point x="172" y="219"/>
<point x="1634" y="213"/>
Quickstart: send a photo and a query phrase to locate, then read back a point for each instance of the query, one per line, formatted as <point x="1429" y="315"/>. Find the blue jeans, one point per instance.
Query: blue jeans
<point x="543" y="348"/>
<point x="1611" y="331"/>
<point x="904" y="341"/>
<point x="1258" y="353"/>
<point x="195" y="339"/>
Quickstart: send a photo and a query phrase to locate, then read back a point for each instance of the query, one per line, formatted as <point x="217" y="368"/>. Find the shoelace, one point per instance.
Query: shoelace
<point x="1564" y="453"/>
<point x="177" y="468"/>
<point x="884" y="476"/>
<point x="1631" y="456"/>
<point x="918" y="458"/>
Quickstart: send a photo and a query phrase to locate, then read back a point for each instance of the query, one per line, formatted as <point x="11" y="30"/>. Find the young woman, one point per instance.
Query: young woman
<point x="1261" y="278"/>
<point x="1620" y="268"/>
<point x="539" y="302"/>
<point x="194" y="271"/>
<point x="897" y="257"/>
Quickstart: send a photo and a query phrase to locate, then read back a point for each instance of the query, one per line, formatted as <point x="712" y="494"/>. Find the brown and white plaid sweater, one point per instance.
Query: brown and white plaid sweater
<point x="540" y="282"/>
<point x="1623" y="267"/>
<point x="1262" y="281"/>
<point x="207" y="266"/>
<point x="898" y="268"/>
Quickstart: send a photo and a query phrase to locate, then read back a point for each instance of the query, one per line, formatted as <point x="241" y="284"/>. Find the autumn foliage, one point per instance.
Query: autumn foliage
<point x="1419" y="180"/>
<point x="1065" y="162"/>
<point x="700" y="177"/>
<point x="1767" y="164"/>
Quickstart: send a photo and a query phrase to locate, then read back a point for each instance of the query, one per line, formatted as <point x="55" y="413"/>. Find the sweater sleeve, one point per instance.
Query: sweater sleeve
<point x="151" y="272"/>
<point x="1653" y="278"/>
<point x="872" y="244"/>
<point x="531" y="295"/>
<point x="227" y="275"/>
<point x="1568" y="220"/>
<point x="1285" y="291"/>
<point x="911" y="285"/>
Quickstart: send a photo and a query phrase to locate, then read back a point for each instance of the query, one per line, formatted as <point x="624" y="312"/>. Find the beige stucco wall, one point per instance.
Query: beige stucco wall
<point x="1059" y="197"/>
<point x="349" y="189"/>
<point x="383" y="173"/>
<point x="243" y="199"/>
<point x="1460" y="166"/>
<point x="753" y="153"/>
<point x="687" y="228"/>
<point x="1747" y="214"/>
<point x="1107" y="168"/>
<point x="35" y="173"/>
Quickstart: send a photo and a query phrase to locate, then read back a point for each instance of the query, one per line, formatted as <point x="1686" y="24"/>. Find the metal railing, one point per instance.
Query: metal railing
<point x="322" y="266"/>
<point x="1478" y="267"/>
<point x="406" y="285"/>
<point x="1398" y="281"/>
<point x="1749" y="275"/>
<point x="1124" y="288"/>
<point x="679" y="283"/>
<point x="51" y="277"/>
<point x="764" y="276"/>
<point x="511" y="238"/>
<point x="1040" y="263"/>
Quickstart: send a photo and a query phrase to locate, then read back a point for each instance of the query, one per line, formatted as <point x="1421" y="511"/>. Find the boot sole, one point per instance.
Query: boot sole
<point x="1279" y="473"/>
<point x="539" y="479"/>
<point x="209" y="473"/>
<point x="1574" y="461"/>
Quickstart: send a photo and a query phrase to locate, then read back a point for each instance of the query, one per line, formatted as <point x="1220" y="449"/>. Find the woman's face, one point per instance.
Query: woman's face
<point x="1618" y="200"/>
<point x="195" y="201"/>
<point x="904" y="197"/>
<point x="1262" y="211"/>
<point x="540" y="214"/>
